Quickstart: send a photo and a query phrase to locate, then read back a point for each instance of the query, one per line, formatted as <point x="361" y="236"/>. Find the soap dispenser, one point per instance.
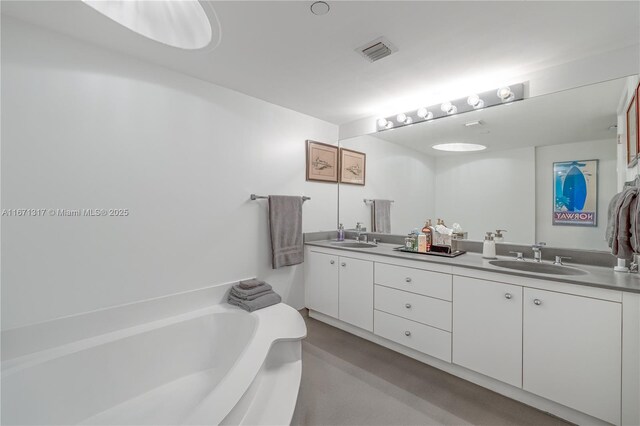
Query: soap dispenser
<point x="341" y="232"/>
<point x="489" y="247"/>
<point x="499" y="238"/>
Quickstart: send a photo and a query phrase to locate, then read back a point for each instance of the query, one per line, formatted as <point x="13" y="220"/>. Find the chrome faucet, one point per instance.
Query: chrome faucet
<point x="558" y="260"/>
<point x="537" y="251"/>
<point x="361" y="233"/>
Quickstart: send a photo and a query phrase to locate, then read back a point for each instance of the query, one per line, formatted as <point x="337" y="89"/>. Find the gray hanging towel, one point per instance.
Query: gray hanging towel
<point x="381" y="216"/>
<point x="285" y="224"/>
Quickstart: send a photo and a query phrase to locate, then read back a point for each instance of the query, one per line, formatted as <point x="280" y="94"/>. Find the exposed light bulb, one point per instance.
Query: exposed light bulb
<point x="505" y="94"/>
<point x="389" y="124"/>
<point x="475" y="102"/>
<point x="401" y="118"/>
<point x="449" y="108"/>
<point x="382" y="122"/>
<point x="425" y="113"/>
<point x="409" y="120"/>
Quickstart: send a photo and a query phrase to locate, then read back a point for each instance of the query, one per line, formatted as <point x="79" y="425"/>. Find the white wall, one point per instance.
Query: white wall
<point x="87" y="128"/>
<point x="393" y="172"/>
<point x="591" y="238"/>
<point x="488" y="191"/>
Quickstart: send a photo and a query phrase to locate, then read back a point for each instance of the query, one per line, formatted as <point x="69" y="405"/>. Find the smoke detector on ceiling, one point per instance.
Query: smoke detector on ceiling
<point x="377" y="49"/>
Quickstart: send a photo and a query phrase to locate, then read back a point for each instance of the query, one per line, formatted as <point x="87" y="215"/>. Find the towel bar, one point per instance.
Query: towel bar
<point x="367" y="200"/>
<point x="256" y="197"/>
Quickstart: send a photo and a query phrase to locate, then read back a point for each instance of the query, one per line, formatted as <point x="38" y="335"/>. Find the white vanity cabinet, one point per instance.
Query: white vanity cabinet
<point x="487" y="328"/>
<point x="321" y="282"/>
<point x="572" y="351"/>
<point x="341" y="287"/>
<point x="554" y="345"/>
<point x="356" y="292"/>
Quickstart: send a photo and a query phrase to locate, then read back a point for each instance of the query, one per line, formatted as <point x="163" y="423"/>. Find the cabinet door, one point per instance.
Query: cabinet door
<point x="321" y="278"/>
<point x="572" y="351"/>
<point x="356" y="292"/>
<point x="487" y="328"/>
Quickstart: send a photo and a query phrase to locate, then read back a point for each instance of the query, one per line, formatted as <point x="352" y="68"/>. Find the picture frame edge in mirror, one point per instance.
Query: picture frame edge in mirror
<point x="341" y="177"/>
<point x="632" y="140"/>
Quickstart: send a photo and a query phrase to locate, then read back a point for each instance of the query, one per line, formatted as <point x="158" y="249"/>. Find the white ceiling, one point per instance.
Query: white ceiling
<point x="280" y="52"/>
<point x="576" y="115"/>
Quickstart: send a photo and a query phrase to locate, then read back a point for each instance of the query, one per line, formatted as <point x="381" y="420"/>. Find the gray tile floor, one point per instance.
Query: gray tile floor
<point x="347" y="380"/>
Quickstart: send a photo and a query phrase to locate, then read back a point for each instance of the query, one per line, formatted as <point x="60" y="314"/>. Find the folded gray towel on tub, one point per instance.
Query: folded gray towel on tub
<point x="234" y="292"/>
<point x="285" y="225"/>
<point x="246" y="292"/>
<point x="253" y="282"/>
<point x="253" y="305"/>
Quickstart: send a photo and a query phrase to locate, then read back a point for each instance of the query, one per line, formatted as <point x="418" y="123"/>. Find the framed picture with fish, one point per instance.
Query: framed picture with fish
<point x="353" y="167"/>
<point x="575" y="193"/>
<point x="322" y="162"/>
<point x="633" y="141"/>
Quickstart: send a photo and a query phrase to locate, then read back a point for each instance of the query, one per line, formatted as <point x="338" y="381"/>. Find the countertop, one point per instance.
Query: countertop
<point x="597" y="276"/>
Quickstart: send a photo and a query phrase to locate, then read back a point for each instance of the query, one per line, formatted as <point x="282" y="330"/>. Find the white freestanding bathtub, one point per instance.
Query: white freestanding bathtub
<point x="218" y="365"/>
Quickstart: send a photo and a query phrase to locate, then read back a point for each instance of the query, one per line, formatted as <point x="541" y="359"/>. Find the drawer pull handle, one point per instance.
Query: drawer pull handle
<point x="537" y="302"/>
<point x="407" y="333"/>
<point x="332" y="262"/>
<point x="508" y="296"/>
<point x="408" y="306"/>
<point x="408" y="279"/>
<point x="344" y="264"/>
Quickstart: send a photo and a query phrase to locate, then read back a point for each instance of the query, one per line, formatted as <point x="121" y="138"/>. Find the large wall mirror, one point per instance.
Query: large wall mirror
<point x="509" y="185"/>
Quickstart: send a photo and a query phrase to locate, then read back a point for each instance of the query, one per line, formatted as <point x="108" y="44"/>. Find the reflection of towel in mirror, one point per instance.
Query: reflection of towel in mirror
<point x="381" y="216"/>
<point x="625" y="212"/>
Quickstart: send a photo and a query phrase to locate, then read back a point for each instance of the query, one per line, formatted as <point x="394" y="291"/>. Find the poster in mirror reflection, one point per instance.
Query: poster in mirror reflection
<point x="575" y="193"/>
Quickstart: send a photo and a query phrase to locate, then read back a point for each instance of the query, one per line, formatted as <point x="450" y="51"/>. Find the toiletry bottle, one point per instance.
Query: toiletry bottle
<point x="499" y="238"/>
<point x="427" y="230"/>
<point x="341" y="232"/>
<point x="489" y="247"/>
<point x="408" y="242"/>
<point x="415" y="234"/>
<point x="422" y="243"/>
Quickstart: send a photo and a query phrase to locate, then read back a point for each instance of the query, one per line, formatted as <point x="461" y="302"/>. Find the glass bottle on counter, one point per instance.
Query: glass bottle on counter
<point x="427" y="230"/>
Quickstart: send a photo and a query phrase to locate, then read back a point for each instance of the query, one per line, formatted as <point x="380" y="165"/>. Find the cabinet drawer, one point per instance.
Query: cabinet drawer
<point x="423" y="309"/>
<point x="434" y="284"/>
<point x="420" y="337"/>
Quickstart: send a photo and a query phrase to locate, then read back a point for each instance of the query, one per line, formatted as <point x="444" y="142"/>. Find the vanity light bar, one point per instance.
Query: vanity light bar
<point x="476" y="101"/>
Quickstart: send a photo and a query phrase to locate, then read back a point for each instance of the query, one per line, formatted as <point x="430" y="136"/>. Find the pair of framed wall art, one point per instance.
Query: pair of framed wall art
<point x="328" y="163"/>
<point x="633" y="124"/>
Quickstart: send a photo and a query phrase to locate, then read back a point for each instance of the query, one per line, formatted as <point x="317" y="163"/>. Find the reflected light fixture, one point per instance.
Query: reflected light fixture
<point x="505" y="94"/>
<point x="382" y="122"/>
<point x="475" y="102"/>
<point x="449" y="108"/>
<point x="401" y="118"/>
<point x="459" y="147"/>
<point x="424" y="113"/>
<point x="181" y="24"/>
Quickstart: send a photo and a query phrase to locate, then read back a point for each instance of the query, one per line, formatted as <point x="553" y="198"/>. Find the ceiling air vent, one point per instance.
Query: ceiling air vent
<point x="377" y="49"/>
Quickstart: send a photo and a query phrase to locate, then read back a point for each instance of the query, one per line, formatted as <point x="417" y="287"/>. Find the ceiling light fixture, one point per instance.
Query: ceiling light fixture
<point x="474" y="102"/>
<point x="181" y="24"/>
<point x="320" y="8"/>
<point x="459" y="147"/>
